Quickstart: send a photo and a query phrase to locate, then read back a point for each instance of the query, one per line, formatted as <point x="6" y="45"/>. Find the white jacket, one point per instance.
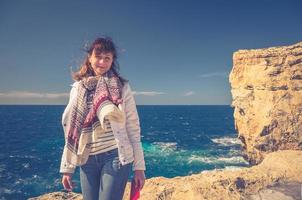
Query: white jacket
<point x="127" y="134"/>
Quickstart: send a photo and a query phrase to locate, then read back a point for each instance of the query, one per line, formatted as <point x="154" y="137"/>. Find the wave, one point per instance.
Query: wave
<point x="217" y="160"/>
<point x="160" y="150"/>
<point x="166" y="146"/>
<point x="233" y="160"/>
<point x="7" y="191"/>
<point x="26" y="165"/>
<point x="226" y="141"/>
<point x="22" y="156"/>
<point x="20" y="187"/>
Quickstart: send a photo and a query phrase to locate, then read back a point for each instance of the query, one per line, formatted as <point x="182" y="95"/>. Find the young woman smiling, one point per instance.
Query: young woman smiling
<point x="102" y="129"/>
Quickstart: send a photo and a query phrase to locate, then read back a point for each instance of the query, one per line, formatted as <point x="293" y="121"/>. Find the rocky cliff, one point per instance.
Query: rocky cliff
<point x="266" y="86"/>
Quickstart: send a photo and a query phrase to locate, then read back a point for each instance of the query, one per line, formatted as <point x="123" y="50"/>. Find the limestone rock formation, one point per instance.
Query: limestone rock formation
<point x="266" y="86"/>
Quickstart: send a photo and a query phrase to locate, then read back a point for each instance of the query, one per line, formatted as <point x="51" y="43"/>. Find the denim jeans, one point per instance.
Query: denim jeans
<point x="103" y="177"/>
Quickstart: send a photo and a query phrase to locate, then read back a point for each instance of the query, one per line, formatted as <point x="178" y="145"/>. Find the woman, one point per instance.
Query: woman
<point x="101" y="125"/>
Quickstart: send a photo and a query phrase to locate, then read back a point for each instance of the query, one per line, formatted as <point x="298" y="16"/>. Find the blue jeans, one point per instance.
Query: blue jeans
<point x="103" y="177"/>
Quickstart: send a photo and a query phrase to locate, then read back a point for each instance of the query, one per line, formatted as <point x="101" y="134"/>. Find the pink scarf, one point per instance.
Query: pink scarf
<point x="108" y="90"/>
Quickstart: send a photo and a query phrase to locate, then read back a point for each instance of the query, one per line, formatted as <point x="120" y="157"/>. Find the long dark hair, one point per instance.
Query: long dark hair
<point x="100" y="45"/>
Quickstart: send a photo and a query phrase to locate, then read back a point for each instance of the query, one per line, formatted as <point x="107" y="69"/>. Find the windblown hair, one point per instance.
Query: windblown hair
<point x="100" y="45"/>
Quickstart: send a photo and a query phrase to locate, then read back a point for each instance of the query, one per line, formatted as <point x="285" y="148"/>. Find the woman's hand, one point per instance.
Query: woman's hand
<point x="139" y="178"/>
<point x="67" y="182"/>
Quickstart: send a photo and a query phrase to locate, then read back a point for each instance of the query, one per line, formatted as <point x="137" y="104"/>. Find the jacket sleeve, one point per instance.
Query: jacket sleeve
<point x="133" y="129"/>
<point x="66" y="167"/>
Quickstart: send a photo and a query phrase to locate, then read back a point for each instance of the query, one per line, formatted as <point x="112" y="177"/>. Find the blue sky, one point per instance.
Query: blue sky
<point x="173" y="52"/>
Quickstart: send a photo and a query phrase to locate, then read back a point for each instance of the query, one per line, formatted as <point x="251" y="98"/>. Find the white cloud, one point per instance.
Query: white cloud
<point x="190" y="93"/>
<point x="209" y="75"/>
<point x="151" y="93"/>
<point x="26" y="94"/>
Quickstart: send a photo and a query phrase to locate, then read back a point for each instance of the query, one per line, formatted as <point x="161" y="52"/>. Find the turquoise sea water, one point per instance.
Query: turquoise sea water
<point x="177" y="141"/>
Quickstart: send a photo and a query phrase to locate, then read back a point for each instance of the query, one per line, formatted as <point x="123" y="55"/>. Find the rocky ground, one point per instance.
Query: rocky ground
<point x="280" y="191"/>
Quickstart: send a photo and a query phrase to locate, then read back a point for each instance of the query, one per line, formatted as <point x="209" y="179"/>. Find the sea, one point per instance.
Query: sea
<point x="177" y="141"/>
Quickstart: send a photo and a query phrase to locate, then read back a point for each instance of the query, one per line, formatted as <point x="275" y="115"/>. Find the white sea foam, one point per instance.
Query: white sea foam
<point x="233" y="160"/>
<point x="2" y="168"/>
<point x="217" y="160"/>
<point x="185" y="123"/>
<point x="26" y="165"/>
<point x="226" y="141"/>
<point x="166" y="146"/>
<point x="6" y="191"/>
<point x="195" y="158"/>
<point x="22" y="156"/>
<point x="232" y="168"/>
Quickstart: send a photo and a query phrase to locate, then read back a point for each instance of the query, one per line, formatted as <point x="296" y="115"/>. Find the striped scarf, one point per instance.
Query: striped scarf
<point x="84" y="121"/>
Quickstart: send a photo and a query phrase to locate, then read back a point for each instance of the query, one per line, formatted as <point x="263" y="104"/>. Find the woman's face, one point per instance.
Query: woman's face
<point x="101" y="63"/>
